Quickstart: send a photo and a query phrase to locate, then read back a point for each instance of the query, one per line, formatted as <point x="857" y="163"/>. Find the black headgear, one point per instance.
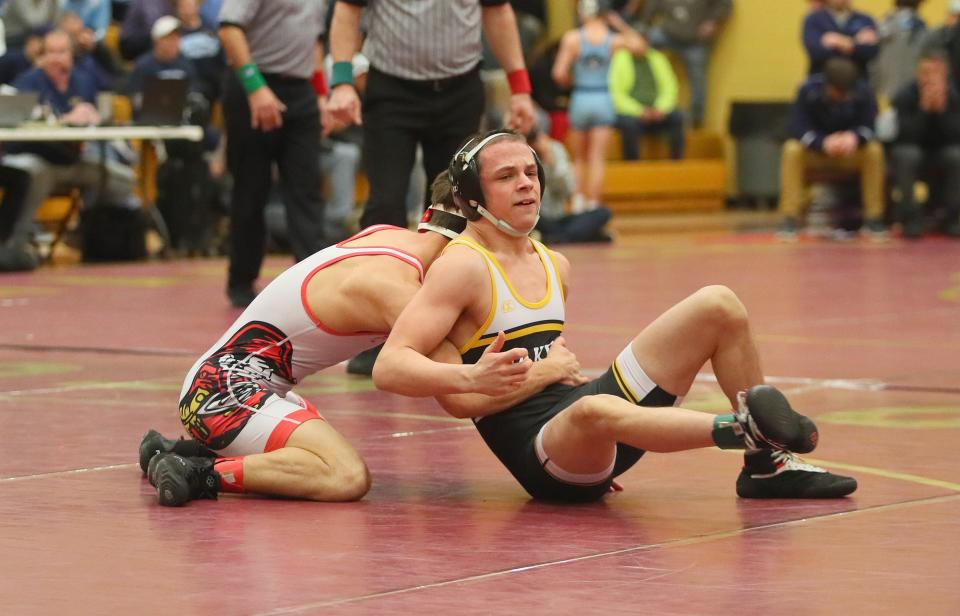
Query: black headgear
<point x="465" y="172"/>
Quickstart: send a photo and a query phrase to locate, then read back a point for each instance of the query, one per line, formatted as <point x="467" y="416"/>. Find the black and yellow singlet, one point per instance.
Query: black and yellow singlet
<point x="532" y="325"/>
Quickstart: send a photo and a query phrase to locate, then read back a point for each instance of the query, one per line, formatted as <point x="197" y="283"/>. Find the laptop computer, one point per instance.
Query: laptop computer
<point x="15" y="109"/>
<point x="163" y="102"/>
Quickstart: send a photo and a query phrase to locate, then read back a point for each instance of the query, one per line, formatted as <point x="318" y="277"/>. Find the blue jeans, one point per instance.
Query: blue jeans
<point x="339" y="161"/>
<point x="632" y="129"/>
<point x="695" y="57"/>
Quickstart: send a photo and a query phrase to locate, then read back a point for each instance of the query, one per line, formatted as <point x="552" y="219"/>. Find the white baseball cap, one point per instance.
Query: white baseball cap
<point x="164" y="26"/>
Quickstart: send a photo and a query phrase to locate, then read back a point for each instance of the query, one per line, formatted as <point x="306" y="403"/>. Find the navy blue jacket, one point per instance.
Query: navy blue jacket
<point x="814" y="116"/>
<point x="818" y="23"/>
<point x="81" y="87"/>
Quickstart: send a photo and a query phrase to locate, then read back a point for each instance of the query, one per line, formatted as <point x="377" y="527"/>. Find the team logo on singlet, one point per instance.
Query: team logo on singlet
<point x="507" y="306"/>
<point x="235" y="381"/>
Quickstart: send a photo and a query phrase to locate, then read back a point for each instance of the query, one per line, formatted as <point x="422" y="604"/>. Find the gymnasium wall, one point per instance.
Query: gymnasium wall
<point x="759" y="55"/>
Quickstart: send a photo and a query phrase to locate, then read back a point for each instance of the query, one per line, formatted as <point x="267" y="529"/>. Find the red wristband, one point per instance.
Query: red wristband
<point x="319" y="82"/>
<point x="519" y="81"/>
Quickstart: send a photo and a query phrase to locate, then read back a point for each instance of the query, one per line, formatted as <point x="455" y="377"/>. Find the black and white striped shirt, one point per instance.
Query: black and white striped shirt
<point x="426" y="39"/>
<point x="281" y="33"/>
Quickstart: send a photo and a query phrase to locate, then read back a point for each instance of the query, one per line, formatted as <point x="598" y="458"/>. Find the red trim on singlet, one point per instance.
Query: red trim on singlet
<point x="373" y="229"/>
<point x="359" y="251"/>
<point x="281" y="434"/>
<point x="366" y="232"/>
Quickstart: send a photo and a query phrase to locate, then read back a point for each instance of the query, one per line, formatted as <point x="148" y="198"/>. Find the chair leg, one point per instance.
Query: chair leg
<point x="76" y="202"/>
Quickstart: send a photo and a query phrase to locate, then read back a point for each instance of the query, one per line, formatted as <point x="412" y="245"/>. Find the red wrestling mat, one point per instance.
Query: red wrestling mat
<point x="863" y="337"/>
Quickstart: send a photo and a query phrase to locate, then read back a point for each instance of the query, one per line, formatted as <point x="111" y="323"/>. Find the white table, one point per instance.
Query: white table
<point x="99" y="133"/>
<point x="41" y="132"/>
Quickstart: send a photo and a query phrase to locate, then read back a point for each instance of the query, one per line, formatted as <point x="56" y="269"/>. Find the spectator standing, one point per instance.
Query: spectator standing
<point x="901" y="34"/>
<point x="838" y="30"/>
<point x="583" y="62"/>
<point x="139" y="19"/>
<point x="928" y="115"/>
<point x="201" y="46"/>
<point x="644" y="90"/>
<point x="340" y="161"/>
<point x="272" y="107"/>
<point x="90" y="54"/>
<point x="947" y="39"/>
<point x="21" y="17"/>
<point x="423" y="87"/>
<point x="164" y="61"/>
<point x="20" y="60"/>
<point x="95" y="14"/>
<point x="832" y="127"/>
<point x="551" y="100"/>
<point x="689" y="28"/>
<point x="183" y="182"/>
<point x="210" y="12"/>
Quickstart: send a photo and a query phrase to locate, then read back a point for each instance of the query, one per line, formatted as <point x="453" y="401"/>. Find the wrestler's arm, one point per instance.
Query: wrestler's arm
<point x="451" y="286"/>
<point x="541" y="374"/>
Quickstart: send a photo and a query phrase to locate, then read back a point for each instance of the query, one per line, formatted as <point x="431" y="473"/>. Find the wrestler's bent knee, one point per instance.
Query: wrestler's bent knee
<point x="589" y="414"/>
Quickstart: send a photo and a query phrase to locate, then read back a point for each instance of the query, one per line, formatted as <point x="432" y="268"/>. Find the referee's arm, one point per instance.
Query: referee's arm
<point x="344" y="104"/>
<point x="266" y="110"/>
<point x="500" y="26"/>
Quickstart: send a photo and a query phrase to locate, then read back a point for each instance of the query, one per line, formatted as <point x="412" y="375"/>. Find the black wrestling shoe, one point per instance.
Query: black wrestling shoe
<point x="153" y="443"/>
<point x="780" y="474"/>
<point x="769" y="422"/>
<point x="363" y="362"/>
<point x="180" y="479"/>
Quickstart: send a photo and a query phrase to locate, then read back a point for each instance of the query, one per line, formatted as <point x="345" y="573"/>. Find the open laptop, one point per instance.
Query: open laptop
<point x="163" y="102"/>
<point x="15" y="109"/>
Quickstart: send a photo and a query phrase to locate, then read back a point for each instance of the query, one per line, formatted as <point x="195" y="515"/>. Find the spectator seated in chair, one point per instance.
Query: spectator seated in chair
<point x="831" y="127"/>
<point x="70" y="95"/>
<point x="928" y="117"/>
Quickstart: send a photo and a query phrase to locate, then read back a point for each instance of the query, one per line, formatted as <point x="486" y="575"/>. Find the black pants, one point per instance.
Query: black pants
<point x="14" y="183"/>
<point x="295" y="148"/>
<point x="908" y="161"/>
<point x="398" y="114"/>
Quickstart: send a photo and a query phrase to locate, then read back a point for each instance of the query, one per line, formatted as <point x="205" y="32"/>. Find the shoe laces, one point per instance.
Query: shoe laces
<point x="747" y="424"/>
<point x="789" y="461"/>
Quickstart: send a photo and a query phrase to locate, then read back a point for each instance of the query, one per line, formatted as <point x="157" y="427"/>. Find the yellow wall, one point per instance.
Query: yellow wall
<point x="759" y="55"/>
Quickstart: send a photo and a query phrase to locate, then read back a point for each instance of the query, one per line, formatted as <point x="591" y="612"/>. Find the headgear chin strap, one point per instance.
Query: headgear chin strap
<point x="506" y="227"/>
<point x="440" y="219"/>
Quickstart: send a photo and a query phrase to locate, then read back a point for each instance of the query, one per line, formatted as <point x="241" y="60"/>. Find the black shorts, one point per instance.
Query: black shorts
<point x="511" y="435"/>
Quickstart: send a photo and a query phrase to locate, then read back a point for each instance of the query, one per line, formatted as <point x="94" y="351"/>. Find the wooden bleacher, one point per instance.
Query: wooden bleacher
<point x="657" y="184"/>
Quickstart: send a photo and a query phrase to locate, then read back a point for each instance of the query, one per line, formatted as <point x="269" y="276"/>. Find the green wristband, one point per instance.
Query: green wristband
<point x="250" y="77"/>
<point x="342" y="73"/>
